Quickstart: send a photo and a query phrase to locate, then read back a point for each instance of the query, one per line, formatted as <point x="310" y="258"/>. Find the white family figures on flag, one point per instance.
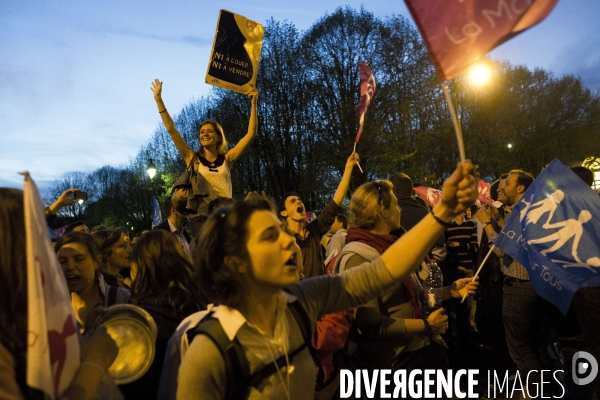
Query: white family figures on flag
<point x="430" y="195"/>
<point x="570" y="228"/>
<point x="534" y="212"/>
<point x="554" y="231"/>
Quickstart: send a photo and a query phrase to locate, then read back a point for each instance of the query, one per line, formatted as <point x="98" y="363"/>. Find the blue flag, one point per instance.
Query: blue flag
<point x="156" y="216"/>
<point x="554" y="231"/>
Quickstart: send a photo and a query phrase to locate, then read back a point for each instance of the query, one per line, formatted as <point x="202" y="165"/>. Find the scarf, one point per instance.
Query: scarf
<point x="381" y="243"/>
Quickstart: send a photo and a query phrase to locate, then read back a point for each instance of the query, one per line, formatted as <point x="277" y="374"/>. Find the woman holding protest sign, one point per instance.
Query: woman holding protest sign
<point x="244" y="260"/>
<point x="213" y="161"/>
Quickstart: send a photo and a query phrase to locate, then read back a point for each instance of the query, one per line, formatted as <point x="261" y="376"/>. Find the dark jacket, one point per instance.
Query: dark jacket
<point x="165" y="227"/>
<point x="412" y="213"/>
<point x="312" y="255"/>
<point x="166" y="320"/>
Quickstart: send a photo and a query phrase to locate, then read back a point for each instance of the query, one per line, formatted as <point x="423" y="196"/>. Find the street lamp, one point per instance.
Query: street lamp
<point x="480" y="74"/>
<point x="151" y="169"/>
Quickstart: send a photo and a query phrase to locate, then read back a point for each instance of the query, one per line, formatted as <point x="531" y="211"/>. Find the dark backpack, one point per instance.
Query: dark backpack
<point x="237" y="369"/>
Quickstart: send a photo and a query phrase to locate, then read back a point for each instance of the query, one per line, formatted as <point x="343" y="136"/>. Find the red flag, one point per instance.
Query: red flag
<point x="458" y="33"/>
<point x="484" y="192"/>
<point x="367" y="91"/>
<point x="430" y="195"/>
<point x="53" y="344"/>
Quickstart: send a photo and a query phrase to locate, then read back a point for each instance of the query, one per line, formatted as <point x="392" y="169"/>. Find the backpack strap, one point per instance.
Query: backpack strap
<point x="111" y="295"/>
<point x="302" y="320"/>
<point x="303" y="323"/>
<point x="237" y="368"/>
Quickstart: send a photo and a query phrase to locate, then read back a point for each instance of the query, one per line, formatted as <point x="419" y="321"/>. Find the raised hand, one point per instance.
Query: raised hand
<point x="253" y="96"/>
<point x="156" y="88"/>
<point x="353" y="160"/>
<point x="460" y="190"/>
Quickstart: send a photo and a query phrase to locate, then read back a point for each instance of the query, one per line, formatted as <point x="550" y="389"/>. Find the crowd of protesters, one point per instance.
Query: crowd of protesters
<point x="298" y="300"/>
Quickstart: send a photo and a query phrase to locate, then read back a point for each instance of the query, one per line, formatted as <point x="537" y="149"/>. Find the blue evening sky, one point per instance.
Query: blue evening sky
<point x="75" y="74"/>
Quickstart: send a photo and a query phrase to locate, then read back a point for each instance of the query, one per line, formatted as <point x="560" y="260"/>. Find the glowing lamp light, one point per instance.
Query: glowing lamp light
<point x="479" y="74"/>
<point x="151" y="169"/>
<point x="509" y="145"/>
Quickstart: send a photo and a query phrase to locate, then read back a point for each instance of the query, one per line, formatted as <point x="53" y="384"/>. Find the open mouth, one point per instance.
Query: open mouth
<point x="73" y="280"/>
<point x="292" y="261"/>
<point x="300" y="209"/>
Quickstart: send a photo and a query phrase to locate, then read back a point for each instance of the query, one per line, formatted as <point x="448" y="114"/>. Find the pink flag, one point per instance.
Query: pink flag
<point x="367" y="91"/>
<point x="458" y="33"/>
<point x="484" y="192"/>
<point x="430" y="195"/>
<point x="53" y="343"/>
<point x="60" y="231"/>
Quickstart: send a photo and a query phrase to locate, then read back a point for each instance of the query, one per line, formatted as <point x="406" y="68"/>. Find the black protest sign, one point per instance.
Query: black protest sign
<point x="235" y="54"/>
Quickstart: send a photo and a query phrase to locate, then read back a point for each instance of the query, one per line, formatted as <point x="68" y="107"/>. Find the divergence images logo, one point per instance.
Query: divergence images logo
<point x="584" y="368"/>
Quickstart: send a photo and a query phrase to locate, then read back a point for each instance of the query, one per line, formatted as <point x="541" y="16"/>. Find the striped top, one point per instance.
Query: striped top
<point x="465" y="235"/>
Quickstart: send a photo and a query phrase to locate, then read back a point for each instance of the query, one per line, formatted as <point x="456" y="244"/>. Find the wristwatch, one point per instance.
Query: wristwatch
<point x="485" y="224"/>
<point x="427" y="330"/>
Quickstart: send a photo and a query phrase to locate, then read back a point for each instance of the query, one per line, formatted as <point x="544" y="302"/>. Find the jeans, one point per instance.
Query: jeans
<point x="523" y="312"/>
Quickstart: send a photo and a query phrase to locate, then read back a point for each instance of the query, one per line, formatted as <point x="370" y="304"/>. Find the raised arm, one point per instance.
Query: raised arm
<point x="186" y="151"/>
<point x="342" y="188"/>
<point x="235" y="153"/>
<point x="460" y="191"/>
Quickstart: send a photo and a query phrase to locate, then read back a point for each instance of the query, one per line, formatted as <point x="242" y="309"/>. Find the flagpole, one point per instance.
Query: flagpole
<point x="455" y="122"/>
<point x="357" y="163"/>
<point x="479" y="269"/>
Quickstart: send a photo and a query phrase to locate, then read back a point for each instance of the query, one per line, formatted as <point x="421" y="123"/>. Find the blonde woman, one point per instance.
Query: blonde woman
<point x="214" y="159"/>
<point x="395" y="332"/>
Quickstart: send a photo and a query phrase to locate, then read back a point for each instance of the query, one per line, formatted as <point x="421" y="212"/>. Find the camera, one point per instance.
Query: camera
<point x="80" y="196"/>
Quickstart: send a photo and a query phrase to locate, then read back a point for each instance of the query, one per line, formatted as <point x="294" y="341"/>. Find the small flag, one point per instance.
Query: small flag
<point x="459" y="33"/>
<point x="53" y="343"/>
<point x="484" y="192"/>
<point x="430" y="195"/>
<point x="156" y="216"/>
<point x="367" y="91"/>
<point x="554" y="231"/>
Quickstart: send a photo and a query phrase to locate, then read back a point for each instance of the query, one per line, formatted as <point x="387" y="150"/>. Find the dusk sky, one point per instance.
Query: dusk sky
<point x="75" y="75"/>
